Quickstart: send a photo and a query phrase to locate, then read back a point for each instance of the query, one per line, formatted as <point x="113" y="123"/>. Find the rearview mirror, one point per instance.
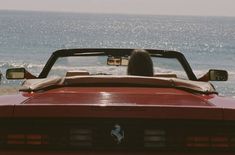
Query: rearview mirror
<point x="15" y="73"/>
<point x="117" y="61"/>
<point x="218" y="75"/>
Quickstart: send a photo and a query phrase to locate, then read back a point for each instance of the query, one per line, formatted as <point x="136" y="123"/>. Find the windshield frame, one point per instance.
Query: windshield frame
<point x="115" y="52"/>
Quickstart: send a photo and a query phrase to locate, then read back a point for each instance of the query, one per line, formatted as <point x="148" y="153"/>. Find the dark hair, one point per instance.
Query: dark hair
<point x="140" y="63"/>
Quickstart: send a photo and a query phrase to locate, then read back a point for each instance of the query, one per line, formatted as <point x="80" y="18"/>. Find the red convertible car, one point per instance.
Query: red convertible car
<point x="84" y="103"/>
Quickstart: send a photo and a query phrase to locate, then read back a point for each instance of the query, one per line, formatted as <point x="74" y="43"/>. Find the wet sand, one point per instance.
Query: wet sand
<point x="7" y="90"/>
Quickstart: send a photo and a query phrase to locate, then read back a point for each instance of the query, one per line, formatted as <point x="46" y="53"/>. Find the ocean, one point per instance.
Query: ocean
<point x="27" y="39"/>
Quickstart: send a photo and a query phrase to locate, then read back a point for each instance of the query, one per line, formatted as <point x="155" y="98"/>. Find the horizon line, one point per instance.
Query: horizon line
<point x="105" y="13"/>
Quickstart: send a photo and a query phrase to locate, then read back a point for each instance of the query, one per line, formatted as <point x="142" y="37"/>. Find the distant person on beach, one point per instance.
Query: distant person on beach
<point x="140" y="63"/>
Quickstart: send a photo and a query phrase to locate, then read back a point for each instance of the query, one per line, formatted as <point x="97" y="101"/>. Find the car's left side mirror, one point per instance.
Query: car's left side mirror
<point x="15" y="73"/>
<point x="218" y="75"/>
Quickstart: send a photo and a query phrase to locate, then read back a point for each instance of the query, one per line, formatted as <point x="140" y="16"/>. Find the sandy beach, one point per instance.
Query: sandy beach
<point x="8" y="90"/>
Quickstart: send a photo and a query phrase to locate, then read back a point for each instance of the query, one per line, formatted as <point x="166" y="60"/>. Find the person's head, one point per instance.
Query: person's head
<point x="140" y="63"/>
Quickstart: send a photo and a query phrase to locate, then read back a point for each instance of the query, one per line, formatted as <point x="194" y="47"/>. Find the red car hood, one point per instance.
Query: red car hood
<point x="162" y="103"/>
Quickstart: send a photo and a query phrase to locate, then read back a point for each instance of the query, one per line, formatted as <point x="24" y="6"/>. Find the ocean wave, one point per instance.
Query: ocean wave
<point x="6" y="65"/>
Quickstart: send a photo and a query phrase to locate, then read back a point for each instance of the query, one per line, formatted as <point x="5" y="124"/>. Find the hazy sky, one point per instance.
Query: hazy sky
<point x="156" y="7"/>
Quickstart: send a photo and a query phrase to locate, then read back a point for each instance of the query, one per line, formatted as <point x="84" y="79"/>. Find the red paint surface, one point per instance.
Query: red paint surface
<point x="108" y="153"/>
<point x="162" y="103"/>
<point x="118" y="102"/>
<point x="7" y="103"/>
<point x="118" y="96"/>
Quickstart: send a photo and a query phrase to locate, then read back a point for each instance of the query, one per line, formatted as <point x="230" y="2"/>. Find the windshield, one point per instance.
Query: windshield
<point x="97" y="65"/>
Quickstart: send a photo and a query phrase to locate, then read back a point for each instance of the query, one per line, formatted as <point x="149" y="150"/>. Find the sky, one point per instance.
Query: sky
<point x="152" y="7"/>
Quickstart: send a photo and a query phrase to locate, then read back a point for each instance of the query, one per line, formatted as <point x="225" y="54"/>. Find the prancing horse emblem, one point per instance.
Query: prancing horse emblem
<point x="117" y="133"/>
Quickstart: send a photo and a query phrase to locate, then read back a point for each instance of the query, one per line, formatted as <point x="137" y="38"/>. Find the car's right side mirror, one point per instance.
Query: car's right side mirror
<point x="218" y="75"/>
